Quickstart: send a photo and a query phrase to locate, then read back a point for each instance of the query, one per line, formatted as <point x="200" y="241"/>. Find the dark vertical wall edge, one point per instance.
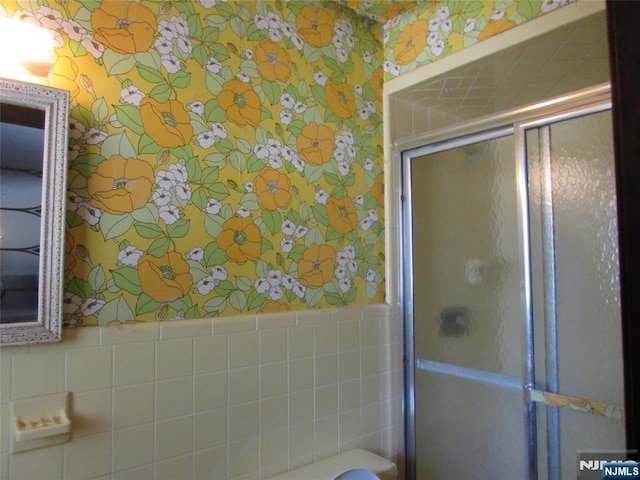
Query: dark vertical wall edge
<point x="623" y="19"/>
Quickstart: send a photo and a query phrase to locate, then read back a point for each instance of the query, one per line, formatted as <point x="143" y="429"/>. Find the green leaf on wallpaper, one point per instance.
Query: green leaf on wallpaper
<point x="254" y="34"/>
<point x="295" y="254"/>
<point x="338" y="192"/>
<point x="213" y="225"/>
<point x="254" y="164"/>
<point x="186" y="8"/>
<point x="255" y="300"/>
<point x="238" y="300"/>
<point x="333" y="299"/>
<point x="244" y="283"/>
<point x="314" y="236"/>
<point x="178" y="229"/>
<point x="349" y="179"/>
<point x="180" y="79"/>
<point x="83" y="115"/>
<point x="87" y="164"/>
<point x="161" y="93"/>
<point x="214" y="255"/>
<point x="265" y="113"/>
<point x="118" y="144"/>
<point x="77" y="48"/>
<point x="214" y="84"/>
<point x="472" y="9"/>
<point x="199" y="198"/>
<point x="529" y="8"/>
<point x="90" y="5"/>
<point x="216" y="304"/>
<point x="337" y="76"/>
<point x="118" y="63"/>
<point x="225" y="145"/>
<point x="332" y="234"/>
<point x="150" y="58"/>
<point x="238" y="161"/>
<point x="200" y="55"/>
<point x="197" y="271"/>
<point x="99" y="109"/>
<point x="295" y="127"/>
<point x="243" y="13"/>
<point x="238" y="27"/>
<point x="210" y="175"/>
<point x="243" y="145"/>
<point x="195" y="25"/>
<point x="332" y="179"/>
<point x="159" y="247"/>
<point x="210" y="35"/>
<point x="117" y="310"/>
<point x="313" y="296"/>
<point x="312" y="173"/>
<point x="319" y="95"/>
<point x="72" y="219"/>
<point x="350" y="295"/>
<point x="79" y="287"/>
<point x="146" y="304"/>
<point x="312" y="114"/>
<point x="218" y="191"/>
<point x="271" y="90"/>
<point x="96" y="278"/>
<point x="220" y="53"/>
<point x="225" y="10"/>
<point x="150" y="74"/>
<point x="250" y="201"/>
<point x="113" y="226"/>
<point x="272" y="220"/>
<point x="147" y="214"/>
<point x="148" y="230"/>
<point x="311" y="54"/>
<point x="218" y="160"/>
<point x="130" y="117"/>
<point x="266" y="246"/>
<point x="147" y="145"/>
<point x="194" y="170"/>
<point x="126" y="278"/>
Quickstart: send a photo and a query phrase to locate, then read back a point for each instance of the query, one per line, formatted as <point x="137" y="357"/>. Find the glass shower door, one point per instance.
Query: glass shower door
<point x="469" y="415"/>
<point x="576" y="302"/>
<point x="514" y="344"/>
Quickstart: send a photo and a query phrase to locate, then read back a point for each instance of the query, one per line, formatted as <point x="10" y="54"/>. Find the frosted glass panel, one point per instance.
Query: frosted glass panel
<point x="466" y="264"/>
<point x="469" y="430"/>
<point x="575" y="272"/>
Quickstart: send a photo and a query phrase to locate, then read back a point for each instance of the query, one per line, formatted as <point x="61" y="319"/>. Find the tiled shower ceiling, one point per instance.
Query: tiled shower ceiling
<point x="549" y="65"/>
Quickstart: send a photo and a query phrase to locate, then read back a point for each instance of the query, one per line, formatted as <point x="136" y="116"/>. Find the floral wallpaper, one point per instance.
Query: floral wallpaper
<point x="433" y="30"/>
<point x="225" y="156"/>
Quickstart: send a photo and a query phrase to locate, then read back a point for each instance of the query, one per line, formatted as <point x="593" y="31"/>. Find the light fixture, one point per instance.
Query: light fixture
<point x="26" y="50"/>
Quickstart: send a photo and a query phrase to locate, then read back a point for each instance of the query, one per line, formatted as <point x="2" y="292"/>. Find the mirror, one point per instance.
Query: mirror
<point x="33" y="168"/>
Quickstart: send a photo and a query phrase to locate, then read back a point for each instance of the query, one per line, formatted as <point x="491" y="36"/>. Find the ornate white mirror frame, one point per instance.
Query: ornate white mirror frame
<point x="46" y="326"/>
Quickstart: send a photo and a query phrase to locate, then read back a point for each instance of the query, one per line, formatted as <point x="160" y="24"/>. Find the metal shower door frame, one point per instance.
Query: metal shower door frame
<point x="513" y="122"/>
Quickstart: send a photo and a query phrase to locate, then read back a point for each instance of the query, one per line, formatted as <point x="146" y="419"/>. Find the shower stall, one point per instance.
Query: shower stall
<point x="511" y="291"/>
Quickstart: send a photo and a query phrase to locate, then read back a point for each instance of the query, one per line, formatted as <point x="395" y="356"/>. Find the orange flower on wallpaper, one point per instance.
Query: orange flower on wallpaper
<point x="272" y="61"/>
<point x="241" y="103"/>
<point x="168" y="123"/>
<point x="493" y="28"/>
<point x="342" y="214"/>
<point x="315" y="143"/>
<point x="125" y="27"/>
<point x="164" y="279"/>
<point x="411" y="42"/>
<point x="378" y="190"/>
<point x="271" y="306"/>
<point x="240" y="239"/>
<point x="315" y="26"/>
<point x="273" y="189"/>
<point x="317" y="265"/>
<point x="340" y="99"/>
<point x="380" y="295"/>
<point x="120" y="185"/>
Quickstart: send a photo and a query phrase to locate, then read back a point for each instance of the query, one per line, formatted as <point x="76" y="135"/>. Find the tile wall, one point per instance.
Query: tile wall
<point x="239" y="398"/>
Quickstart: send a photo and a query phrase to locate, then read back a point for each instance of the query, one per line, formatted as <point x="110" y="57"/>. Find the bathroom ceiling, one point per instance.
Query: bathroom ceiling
<point x="556" y="63"/>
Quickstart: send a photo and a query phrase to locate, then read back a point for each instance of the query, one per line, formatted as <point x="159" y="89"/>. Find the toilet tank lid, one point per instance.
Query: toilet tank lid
<point x="330" y="467"/>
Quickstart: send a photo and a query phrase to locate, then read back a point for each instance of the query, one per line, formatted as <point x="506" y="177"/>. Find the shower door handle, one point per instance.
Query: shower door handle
<point x="575" y="403"/>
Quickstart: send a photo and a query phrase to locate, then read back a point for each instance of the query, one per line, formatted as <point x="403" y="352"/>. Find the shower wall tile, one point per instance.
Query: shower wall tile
<point x="218" y="399"/>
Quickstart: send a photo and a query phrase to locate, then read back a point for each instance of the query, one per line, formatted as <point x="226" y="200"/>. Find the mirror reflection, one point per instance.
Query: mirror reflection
<point x="21" y="163"/>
